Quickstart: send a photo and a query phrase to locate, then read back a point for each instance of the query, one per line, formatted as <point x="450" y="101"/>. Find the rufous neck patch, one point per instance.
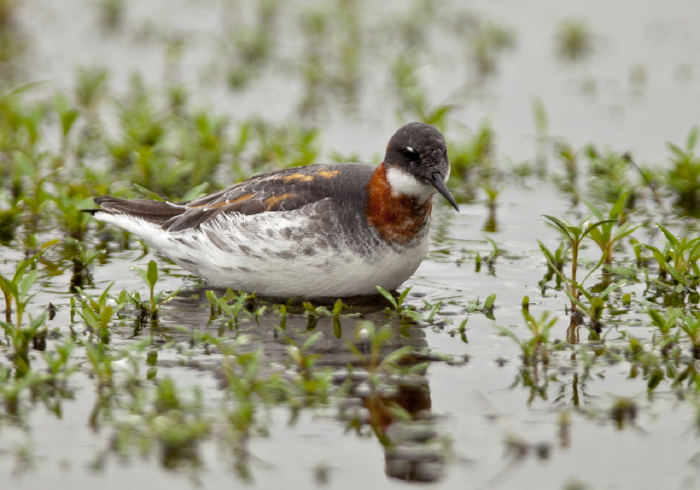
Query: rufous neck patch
<point x="399" y="218"/>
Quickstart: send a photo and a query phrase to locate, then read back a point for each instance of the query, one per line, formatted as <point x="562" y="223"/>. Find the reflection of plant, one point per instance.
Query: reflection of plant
<point x="57" y="363"/>
<point x="12" y="387"/>
<point x="535" y="352"/>
<point x="623" y="411"/>
<point x="303" y="360"/>
<point x="535" y="349"/>
<point x="101" y="359"/>
<point x="374" y="342"/>
<point x="167" y="418"/>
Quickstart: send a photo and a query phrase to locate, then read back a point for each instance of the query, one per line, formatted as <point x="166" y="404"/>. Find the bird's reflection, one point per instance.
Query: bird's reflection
<point x="394" y="404"/>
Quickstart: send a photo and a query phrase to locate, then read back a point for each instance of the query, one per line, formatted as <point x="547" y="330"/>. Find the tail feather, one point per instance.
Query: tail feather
<point x="157" y="212"/>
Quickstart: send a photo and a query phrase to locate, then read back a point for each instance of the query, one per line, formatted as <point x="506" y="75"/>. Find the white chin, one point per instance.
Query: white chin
<point x="403" y="183"/>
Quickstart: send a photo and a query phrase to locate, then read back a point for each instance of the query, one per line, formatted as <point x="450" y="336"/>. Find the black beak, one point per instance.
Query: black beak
<point x="438" y="182"/>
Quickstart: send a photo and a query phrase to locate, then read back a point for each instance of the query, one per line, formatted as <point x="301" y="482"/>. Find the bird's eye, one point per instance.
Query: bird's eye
<point x="410" y="154"/>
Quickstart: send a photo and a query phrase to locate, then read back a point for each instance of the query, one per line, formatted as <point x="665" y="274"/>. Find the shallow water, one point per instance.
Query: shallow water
<point x="486" y="428"/>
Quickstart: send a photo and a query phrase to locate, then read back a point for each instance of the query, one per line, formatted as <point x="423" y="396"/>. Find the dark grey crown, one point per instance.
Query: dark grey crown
<point x="419" y="149"/>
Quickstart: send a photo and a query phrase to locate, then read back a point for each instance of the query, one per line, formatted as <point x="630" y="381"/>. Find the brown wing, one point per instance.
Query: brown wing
<point x="283" y="190"/>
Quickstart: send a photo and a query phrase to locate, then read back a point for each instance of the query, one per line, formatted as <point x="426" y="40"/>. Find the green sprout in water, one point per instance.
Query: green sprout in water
<point x="486" y="308"/>
<point x="223" y="304"/>
<point x="596" y="303"/>
<point x="555" y="264"/>
<point x="16" y="290"/>
<point x="98" y="312"/>
<point x="397" y="305"/>
<point x="574" y="235"/>
<point x="679" y="259"/>
<point x="684" y="176"/>
<point x="150" y="277"/>
<point x="690" y="324"/>
<point x="612" y="229"/>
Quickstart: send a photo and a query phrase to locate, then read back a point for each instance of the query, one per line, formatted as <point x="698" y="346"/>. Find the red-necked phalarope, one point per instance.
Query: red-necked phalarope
<point x="324" y="230"/>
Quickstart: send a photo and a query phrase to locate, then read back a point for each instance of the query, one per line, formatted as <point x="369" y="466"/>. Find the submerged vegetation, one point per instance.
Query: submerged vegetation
<point x="176" y="368"/>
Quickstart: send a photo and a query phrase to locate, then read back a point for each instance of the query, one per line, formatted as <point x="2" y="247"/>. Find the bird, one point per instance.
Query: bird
<point x="316" y="231"/>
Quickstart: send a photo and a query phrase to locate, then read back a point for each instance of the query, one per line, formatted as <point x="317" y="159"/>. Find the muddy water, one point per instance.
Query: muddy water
<point x="491" y="431"/>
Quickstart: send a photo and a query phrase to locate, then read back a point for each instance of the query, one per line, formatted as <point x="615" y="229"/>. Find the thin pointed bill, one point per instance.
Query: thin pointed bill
<point x="439" y="183"/>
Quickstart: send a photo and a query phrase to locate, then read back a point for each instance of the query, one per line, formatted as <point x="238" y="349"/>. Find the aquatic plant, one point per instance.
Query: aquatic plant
<point x="613" y="228"/>
<point x="155" y="300"/>
<point x="683" y="178"/>
<point x="574" y="235"/>
<point x="489" y="41"/>
<point x="223" y="304"/>
<point x="21" y="338"/>
<point x="555" y="264"/>
<point x="677" y="262"/>
<point x="690" y="324"/>
<point x="472" y="162"/>
<point x="398" y="306"/>
<point x="16" y="289"/>
<point x="574" y="40"/>
<point x="608" y="176"/>
<point x="596" y="303"/>
<point x="98" y="313"/>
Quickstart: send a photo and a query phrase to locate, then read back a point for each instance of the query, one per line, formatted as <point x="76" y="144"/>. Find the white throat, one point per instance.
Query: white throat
<point x="403" y="183"/>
